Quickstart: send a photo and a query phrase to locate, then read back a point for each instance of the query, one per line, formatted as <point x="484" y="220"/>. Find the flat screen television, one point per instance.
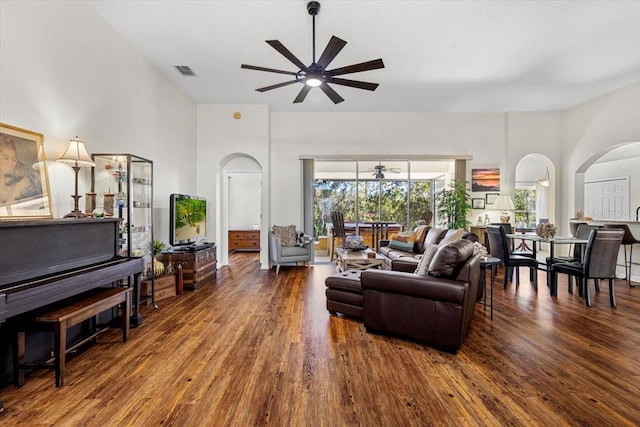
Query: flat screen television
<point x="188" y="219"/>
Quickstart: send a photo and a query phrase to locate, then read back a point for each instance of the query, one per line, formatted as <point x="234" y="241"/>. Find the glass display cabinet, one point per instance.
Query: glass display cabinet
<point x="122" y="187"/>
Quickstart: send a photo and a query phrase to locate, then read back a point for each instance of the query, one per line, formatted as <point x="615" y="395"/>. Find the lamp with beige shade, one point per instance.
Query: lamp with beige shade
<point x="76" y="156"/>
<point x="504" y="203"/>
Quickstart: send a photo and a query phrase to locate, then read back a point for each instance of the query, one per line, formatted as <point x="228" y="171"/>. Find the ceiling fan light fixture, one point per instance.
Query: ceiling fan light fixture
<point x="317" y="74"/>
<point x="313" y="81"/>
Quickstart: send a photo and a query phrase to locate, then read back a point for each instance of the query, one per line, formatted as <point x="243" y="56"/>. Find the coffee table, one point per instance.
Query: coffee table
<point x="358" y="260"/>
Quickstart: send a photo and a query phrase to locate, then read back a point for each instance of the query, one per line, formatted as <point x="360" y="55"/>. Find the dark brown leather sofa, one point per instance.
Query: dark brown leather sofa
<point x="400" y="260"/>
<point x="435" y="309"/>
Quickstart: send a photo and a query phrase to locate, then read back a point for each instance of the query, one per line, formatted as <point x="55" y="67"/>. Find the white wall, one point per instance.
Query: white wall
<point x="221" y="139"/>
<point x="244" y="193"/>
<point x="494" y="140"/>
<point x="592" y="129"/>
<point x="64" y="72"/>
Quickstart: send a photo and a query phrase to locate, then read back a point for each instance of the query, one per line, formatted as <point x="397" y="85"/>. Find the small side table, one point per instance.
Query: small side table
<point x="492" y="262"/>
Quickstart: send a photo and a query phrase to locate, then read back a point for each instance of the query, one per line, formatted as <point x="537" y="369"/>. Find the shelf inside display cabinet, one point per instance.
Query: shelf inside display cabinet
<point x="122" y="184"/>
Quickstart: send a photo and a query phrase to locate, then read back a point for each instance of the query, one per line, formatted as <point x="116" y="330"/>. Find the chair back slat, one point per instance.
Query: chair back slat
<point x="602" y="253"/>
<point x="337" y="219"/>
<point x="379" y="231"/>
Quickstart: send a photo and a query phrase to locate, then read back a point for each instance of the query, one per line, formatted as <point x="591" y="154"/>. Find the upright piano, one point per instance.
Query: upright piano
<point x="46" y="261"/>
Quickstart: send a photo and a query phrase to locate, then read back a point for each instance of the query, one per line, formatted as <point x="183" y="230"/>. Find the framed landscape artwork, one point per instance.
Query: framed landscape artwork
<point x="485" y="179"/>
<point x="24" y="181"/>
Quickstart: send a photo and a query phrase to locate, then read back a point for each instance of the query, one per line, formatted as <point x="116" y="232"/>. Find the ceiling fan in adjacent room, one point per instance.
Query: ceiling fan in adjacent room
<point x="316" y="74"/>
<point x="379" y="169"/>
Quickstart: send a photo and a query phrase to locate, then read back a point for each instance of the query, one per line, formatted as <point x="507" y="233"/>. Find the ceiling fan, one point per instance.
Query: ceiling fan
<point x="316" y="74"/>
<point x="379" y="169"/>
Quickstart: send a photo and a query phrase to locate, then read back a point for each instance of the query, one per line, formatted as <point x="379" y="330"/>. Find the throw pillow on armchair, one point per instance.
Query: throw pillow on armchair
<point x="286" y="234"/>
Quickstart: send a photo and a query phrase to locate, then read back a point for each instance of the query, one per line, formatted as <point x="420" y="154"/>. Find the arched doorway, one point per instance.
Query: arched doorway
<point x="615" y="162"/>
<point x="241" y="202"/>
<point x="535" y="190"/>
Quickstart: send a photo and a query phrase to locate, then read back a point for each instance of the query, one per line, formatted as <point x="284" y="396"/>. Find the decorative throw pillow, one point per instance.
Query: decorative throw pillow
<point x="406" y="236"/>
<point x="452" y="236"/>
<point x="450" y="258"/>
<point x="421" y="232"/>
<point x="286" y="234"/>
<point x="423" y="265"/>
<point x="434" y="235"/>
<point x="302" y="239"/>
<point x="403" y="241"/>
<point x="400" y="245"/>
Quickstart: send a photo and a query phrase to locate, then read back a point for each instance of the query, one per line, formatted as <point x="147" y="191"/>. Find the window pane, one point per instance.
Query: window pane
<point x="419" y="200"/>
<point x="333" y="195"/>
<point x="525" y="204"/>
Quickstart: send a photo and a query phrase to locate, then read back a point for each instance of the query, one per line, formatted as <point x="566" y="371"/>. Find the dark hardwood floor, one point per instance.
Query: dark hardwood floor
<point x="259" y="349"/>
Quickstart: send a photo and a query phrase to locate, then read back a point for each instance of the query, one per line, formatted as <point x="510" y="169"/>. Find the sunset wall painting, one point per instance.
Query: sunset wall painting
<point x="485" y="179"/>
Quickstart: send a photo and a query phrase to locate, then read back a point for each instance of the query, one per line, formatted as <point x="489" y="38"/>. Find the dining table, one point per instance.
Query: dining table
<point x="536" y="241"/>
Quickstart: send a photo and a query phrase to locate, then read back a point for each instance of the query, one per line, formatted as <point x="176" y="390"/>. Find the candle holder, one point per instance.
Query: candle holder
<point x="108" y="204"/>
<point x="90" y="203"/>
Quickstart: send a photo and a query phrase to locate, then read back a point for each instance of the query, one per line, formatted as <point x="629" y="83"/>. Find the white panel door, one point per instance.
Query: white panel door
<point x="607" y="199"/>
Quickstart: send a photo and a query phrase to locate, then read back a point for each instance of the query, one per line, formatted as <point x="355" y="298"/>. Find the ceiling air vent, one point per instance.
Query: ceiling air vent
<point x="185" y="70"/>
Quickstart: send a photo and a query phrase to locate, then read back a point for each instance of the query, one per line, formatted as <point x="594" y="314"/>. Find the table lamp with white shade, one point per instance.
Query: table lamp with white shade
<point x="76" y="156"/>
<point x="503" y="203"/>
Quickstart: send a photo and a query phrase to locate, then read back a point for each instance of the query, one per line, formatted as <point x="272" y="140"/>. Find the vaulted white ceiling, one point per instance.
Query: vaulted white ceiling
<point x="440" y="56"/>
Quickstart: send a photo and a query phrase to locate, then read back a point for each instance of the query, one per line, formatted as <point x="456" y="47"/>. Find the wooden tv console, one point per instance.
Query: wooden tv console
<point x="198" y="268"/>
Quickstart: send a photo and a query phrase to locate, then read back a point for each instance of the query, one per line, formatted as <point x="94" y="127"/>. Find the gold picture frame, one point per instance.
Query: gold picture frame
<point x="24" y="178"/>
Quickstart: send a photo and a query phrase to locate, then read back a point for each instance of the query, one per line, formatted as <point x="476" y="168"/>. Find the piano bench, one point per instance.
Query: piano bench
<point x="62" y="317"/>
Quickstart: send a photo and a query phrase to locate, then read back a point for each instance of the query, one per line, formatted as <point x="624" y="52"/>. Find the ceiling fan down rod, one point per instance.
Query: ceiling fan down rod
<point x="313" y="7"/>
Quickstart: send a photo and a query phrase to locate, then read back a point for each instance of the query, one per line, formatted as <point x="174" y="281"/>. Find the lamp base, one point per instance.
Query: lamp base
<point x="505" y="217"/>
<point x="77" y="214"/>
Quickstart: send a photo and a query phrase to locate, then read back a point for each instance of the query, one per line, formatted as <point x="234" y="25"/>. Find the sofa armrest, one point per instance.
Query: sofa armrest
<point x="427" y="287"/>
<point x="405" y="265"/>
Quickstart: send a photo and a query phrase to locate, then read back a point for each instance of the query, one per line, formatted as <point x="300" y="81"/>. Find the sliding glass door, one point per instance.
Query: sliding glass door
<point x="375" y="190"/>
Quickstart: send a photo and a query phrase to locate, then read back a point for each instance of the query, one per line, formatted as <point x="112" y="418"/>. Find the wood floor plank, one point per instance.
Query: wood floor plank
<point x="256" y="348"/>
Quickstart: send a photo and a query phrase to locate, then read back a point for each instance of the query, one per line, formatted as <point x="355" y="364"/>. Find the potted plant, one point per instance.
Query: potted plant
<point x="158" y="266"/>
<point x="452" y="205"/>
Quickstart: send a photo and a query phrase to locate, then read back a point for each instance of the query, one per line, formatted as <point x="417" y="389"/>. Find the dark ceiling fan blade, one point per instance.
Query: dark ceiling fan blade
<point x="356" y="68"/>
<point x="332" y="94"/>
<point x="276" y="86"/>
<point x="302" y="94"/>
<point x="354" y="83"/>
<point x="287" y="54"/>
<point x="270" y="70"/>
<point x="334" y="47"/>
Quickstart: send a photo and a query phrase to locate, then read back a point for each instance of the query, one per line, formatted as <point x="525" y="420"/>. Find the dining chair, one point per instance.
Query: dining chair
<point x="573" y="227"/>
<point x="582" y="232"/>
<point x="337" y="220"/>
<point x="599" y="262"/>
<point x="500" y="248"/>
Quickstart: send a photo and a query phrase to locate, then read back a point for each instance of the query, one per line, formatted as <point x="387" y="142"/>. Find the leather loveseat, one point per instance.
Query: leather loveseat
<point x="436" y="308"/>
<point x="406" y="260"/>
